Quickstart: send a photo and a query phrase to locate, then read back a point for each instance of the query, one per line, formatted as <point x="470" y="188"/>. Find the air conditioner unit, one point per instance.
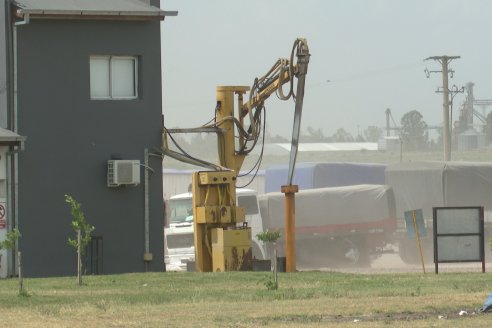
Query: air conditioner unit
<point x="123" y="172"/>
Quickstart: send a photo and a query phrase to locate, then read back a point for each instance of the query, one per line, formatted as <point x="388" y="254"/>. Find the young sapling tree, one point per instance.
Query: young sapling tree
<point x="270" y="238"/>
<point x="83" y="231"/>
<point x="9" y="243"/>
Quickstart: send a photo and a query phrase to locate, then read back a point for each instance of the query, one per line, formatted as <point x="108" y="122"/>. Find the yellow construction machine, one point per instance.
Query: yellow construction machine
<point x="222" y="240"/>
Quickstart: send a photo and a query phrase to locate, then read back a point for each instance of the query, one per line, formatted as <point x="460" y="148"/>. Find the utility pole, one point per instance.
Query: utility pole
<point x="444" y="61"/>
<point x="452" y="93"/>
<point x="388" y="113"/>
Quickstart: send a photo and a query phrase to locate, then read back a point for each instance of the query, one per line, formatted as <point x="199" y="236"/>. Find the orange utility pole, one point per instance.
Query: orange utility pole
<point x="290" y="227"/>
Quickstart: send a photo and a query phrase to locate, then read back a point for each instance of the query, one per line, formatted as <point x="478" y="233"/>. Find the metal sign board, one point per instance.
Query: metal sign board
<point x="458" y="220"/>
<point x="459" y="248"/>
<point x="419" y="220"/>
<point x="458" y="235"/>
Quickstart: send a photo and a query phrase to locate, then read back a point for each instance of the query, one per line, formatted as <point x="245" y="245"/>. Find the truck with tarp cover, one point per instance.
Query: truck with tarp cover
<point x="337" y="225"/>
<point x="310" y="175"/>
<point x="424" y="185"/>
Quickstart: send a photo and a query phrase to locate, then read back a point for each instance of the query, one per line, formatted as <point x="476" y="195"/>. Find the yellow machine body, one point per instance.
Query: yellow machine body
<point x="214" y="207"/>
<point x="231" y="249"/>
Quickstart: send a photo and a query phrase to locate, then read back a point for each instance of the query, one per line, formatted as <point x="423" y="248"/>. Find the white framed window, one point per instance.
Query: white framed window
<point x="114" y="77"/>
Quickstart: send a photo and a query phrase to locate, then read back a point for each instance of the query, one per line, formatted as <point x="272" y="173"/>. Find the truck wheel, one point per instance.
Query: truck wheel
<point x="406" y="254"/>
<point x="355" y="253"/>
<point x="409" y="252"/>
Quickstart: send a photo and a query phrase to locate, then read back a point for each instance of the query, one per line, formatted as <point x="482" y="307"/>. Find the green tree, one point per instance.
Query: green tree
<point x="342" y="136"/>
<point x="414" y="131"/>
<point x="203" y="145"/>
<point x="373" y="133"/>
<point x="314" y="135"/>
<point x="83" y="231"/>
<point x="438" y="144"/>
<point x="177" y="141"/>
<point x="275" y="139"/>
<point x="270" y="238"/>
<point x="12" y="237"/>
<point x="9" y="243"/>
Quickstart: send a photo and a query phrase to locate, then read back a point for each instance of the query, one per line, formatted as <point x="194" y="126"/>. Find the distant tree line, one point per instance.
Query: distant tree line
<point x="371" y="134"/>
<point x="414" y="133"/>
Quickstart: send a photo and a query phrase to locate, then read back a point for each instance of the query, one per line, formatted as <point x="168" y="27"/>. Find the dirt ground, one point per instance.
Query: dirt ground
<point x="391" y="263"/>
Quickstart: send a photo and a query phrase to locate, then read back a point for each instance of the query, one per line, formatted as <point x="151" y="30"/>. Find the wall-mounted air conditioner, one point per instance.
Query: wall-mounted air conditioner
<point x="123" y="172"/>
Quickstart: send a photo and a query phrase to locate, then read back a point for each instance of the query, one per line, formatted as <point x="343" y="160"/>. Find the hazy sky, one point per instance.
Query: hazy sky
<point x="371" y="51"/>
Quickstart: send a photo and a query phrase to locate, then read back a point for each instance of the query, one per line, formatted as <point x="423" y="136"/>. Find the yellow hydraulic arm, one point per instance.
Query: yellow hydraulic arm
<point x="283" y="71"/>
<point x="220" y="245"/>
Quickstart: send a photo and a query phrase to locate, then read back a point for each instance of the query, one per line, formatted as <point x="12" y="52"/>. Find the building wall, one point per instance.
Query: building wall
<point x="3" y="66"/>
<point x="71" y="138"/>
<point x="3" y="211"/>
<point x="3" y="149"/>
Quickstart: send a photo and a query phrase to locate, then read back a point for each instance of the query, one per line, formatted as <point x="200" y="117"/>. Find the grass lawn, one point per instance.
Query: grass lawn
<point x="241" y="299"/>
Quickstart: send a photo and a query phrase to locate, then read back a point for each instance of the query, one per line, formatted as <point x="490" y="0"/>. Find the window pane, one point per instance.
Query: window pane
<point x="249" y="203"/>
<point x="123" y="77"/>
<point x="180" y="209"/>
<point x="99" y="67"/>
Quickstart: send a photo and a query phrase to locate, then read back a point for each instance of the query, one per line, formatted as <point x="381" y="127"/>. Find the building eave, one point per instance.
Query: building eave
<point x="89" y="9"/>
<point x="9" y="138"/>
<point x="93" y="15"/>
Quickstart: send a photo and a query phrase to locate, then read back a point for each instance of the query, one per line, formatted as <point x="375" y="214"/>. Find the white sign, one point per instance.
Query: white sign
<point x="458" y="235"/>
<point x="459" y="248"/>
<point x="458" y="221"/>
<point x="3" y="216"/>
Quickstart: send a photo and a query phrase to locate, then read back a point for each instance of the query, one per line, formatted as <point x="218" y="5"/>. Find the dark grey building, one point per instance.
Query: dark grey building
<point x="83" y="82"/>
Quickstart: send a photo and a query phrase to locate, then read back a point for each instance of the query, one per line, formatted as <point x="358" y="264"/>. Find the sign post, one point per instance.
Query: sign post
<point x="415" y="219"/>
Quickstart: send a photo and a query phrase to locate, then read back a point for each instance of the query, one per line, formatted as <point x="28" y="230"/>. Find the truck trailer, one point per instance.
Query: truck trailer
<point x="424" y="185"/>
<point x="350" y="225"/>
<point x="310" y="175"/>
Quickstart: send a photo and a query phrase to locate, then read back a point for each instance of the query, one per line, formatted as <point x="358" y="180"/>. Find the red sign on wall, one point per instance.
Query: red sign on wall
<point x="3" y="219"/>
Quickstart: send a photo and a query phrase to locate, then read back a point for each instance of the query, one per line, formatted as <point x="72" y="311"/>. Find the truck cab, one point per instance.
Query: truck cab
<point x="179" y="248"/>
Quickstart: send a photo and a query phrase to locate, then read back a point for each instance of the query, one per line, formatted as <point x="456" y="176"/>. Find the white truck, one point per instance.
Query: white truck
<point x="179" y="246"/>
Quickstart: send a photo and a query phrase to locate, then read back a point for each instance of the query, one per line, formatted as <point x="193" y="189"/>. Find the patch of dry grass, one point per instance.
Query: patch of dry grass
<point x="304" y="299"/>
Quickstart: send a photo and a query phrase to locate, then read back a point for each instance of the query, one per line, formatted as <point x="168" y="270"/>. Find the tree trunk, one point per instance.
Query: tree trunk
<point x="19" y="268"/>
<point x="79" y="260"/>
<point x="275" y="267"/>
